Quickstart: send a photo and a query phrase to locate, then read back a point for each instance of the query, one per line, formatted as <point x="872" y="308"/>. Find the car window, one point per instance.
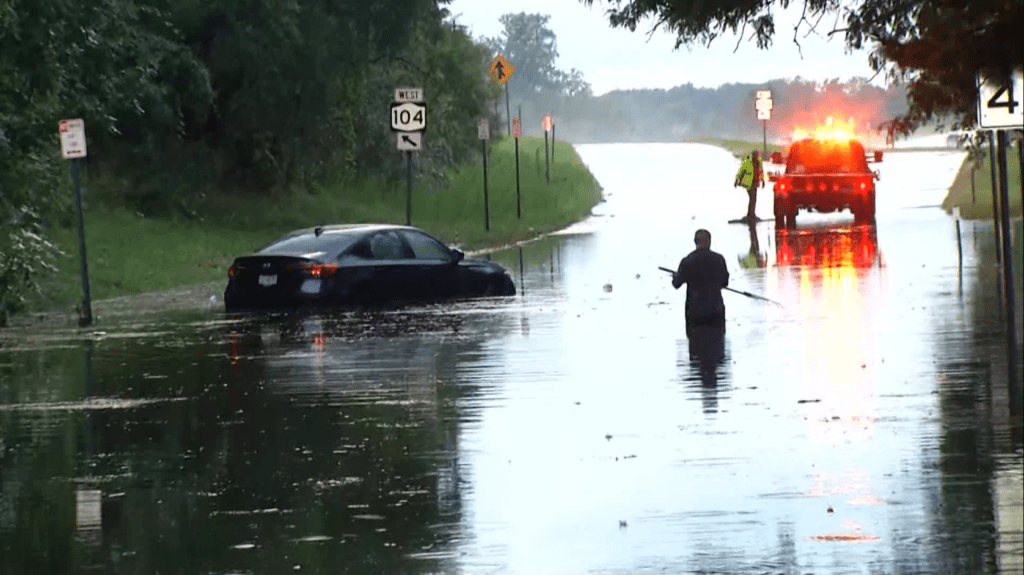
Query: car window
<point x="308" y="243"/>
<point x="388" y="245"/>
<point x="425" y="247"/>
<point x="830" y="157"/>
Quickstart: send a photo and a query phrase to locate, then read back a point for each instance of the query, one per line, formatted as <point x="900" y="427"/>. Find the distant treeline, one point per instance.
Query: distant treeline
<point x="690" y="113"/>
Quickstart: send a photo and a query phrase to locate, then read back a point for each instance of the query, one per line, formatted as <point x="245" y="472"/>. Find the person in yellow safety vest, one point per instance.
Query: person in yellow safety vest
<point x="750" y="176"/>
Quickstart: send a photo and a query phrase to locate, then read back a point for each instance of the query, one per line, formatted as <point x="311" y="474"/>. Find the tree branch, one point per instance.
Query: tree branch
<point x="796" y="30"/>
<point x="740" y="39"/>
<point x="656" y="25"/>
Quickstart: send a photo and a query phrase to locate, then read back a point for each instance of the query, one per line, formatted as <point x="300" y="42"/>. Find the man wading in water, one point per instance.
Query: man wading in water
<point x="705" y="275"/>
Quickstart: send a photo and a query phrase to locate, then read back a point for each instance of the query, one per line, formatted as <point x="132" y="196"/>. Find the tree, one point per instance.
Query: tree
<point x="935" y="46"/>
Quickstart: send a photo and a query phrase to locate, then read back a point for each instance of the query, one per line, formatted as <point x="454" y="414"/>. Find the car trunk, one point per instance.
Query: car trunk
<point x="271" y="276"/>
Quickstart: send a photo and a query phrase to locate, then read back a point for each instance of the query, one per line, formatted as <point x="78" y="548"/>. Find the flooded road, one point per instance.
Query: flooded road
<point x="865" y="425"/>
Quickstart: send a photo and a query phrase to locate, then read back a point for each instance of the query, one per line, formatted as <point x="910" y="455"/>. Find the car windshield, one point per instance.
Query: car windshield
<point x="327" y="242"/>
<point x="815" y="157"/>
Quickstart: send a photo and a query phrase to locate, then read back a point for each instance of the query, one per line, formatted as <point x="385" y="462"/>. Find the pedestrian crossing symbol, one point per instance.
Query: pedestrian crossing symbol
<point x="501" y="69"/>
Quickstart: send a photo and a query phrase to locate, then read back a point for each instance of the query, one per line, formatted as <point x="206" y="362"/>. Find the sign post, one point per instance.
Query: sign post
<point x="72" y="146"/>
<point x="483" y="132"/>
<point x="547" y="164"/>
<point x="517" y="132"/>
<point x="1000" y="107"/>
<point x="763" y="105"/>
<point x="501" y="70"/>
<point x="409" y="121"/>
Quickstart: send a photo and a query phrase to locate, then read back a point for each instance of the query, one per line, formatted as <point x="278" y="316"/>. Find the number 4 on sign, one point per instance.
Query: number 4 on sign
<point x="1010" y="104"/>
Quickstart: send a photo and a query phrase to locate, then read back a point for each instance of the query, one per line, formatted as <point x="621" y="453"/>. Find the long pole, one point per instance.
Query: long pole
<point x="552" y="141"/>
<point x="86" y="318"/>
<point x="995" y="191"/>
<point x="487" y="213"/>
<point x="408" y="188"/>
<point x="508" y="113"/>
<point x="519" y="208"/>
<point x="1004" y="196"/>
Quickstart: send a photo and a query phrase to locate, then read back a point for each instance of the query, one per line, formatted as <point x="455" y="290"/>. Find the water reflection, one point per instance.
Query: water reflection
<point x="827" y="246"/>
<point x="706" y="363"/>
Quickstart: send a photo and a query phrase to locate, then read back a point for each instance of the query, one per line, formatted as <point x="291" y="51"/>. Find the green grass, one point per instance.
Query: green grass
<point x="980" y="205"/>
<point x="130" y="254"/>
<point x="740" y="148"/>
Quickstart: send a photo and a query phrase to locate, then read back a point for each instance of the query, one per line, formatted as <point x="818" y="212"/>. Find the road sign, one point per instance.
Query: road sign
<point x="517" y="131"/>
<point x="764" y="94"/>
<point x="764" y="114"/>
<point x="408" y="117"/>
<point x="410" y="141"/>
<point x="482" y="130"/>
<point x="1001" y="106"/>
<point x="547" y="123"/>
<point x="501" y="69"/>
<point x="408" y="94"/>
<point x="72" y="138"/>
<point x="763" y="104"/>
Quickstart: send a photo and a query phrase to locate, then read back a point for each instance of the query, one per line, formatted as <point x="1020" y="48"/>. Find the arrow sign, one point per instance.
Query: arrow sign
<point x="410" y="141"/>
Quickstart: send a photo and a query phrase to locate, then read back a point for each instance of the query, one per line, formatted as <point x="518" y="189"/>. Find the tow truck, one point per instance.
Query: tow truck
<point x="825" y="172"/>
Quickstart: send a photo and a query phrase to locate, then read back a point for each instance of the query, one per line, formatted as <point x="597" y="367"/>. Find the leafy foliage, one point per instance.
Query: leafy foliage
<point x="936" y="47"/>
<point x="184" y="100"/>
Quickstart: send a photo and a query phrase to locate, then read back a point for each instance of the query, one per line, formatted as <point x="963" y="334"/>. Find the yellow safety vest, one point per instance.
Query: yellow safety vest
<point x="745" y="175"/>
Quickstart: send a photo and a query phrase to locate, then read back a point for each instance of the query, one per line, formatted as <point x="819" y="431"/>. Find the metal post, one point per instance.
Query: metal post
<point x="408" y="188"/>
<point x="995" y="191"/>
<point x="552" y="140"/>
<point x="487" y="213"/>
<point x="522" y="283"/>
<point x="508" y="114"/>
<point x="974" y="199"/>
<point x="86" y="317"/>
<point x="1004" y="196"/>
<point x="764" y="133"/>
<point x="547" y="165"/>
<point x="519" y="208"/>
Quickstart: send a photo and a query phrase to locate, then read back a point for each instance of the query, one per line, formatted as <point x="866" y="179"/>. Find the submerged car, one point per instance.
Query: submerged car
<point x="826" y="175"/>
<point x="359" y="265"/>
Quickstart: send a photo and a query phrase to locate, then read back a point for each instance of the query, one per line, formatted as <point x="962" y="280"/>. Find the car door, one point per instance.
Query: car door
<point x="394" y="275"/>
<point x="435" y="273"/>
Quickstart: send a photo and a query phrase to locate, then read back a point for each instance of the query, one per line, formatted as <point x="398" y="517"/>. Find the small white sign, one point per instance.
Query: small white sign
<point x="764" y="94"/>
<point x="408" y="117"/>
<point x="763" y="104"/>
<point x="482" y="130"/>
<point x="408" y="95"/>
<point x="72" y="138"/>
<point x="764" y="114"/>
<point x="1001" y="107"/>
<point x="410" y="141"/>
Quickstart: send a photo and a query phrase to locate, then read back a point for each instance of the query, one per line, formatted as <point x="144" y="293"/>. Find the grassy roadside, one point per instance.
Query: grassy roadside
<point x="980" y="205"/>
<point x="739" y="148"/>
<point x="129" y="254"/>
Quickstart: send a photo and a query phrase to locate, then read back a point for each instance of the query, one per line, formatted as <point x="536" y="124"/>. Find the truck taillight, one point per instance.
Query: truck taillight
<point x="232" y="271"/>
<point x="863" y="185"/>
<point x="782" y="186"/>
<point x="810" y="187"/>
<point x="821" y="187"/>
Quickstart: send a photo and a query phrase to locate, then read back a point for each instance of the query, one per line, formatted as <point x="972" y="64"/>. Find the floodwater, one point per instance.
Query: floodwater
<point x="866" y="423"/>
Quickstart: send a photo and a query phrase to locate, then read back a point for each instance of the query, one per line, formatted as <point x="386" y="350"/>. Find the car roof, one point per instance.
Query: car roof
<point x="340" y="235"/>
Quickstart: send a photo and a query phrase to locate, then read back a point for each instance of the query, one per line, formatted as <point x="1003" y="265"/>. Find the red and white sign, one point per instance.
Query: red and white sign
<point x="72" y="138"/>
<point x="517" y="131"/>
<point x="547" y="123"/>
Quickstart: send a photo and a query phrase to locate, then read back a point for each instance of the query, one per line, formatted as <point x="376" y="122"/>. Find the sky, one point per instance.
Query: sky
<point x="617" y="59"/>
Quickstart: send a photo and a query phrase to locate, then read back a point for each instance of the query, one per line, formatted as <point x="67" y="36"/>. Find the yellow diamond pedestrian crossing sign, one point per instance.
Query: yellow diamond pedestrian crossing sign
<point x="501" y="69"/>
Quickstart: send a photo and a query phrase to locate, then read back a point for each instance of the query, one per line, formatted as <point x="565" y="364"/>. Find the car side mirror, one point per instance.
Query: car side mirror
<point x="457" y="256"/>
<point x="877" y="174"/>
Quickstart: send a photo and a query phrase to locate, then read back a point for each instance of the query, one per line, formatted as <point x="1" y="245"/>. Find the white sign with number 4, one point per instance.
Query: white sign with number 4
<point x="1001" y="106"/>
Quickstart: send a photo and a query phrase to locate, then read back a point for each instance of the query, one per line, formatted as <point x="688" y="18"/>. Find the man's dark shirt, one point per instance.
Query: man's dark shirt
<point x="704" y="273"/>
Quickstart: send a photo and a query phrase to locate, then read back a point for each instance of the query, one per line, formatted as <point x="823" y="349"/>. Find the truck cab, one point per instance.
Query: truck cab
<point x="825" y="175"/>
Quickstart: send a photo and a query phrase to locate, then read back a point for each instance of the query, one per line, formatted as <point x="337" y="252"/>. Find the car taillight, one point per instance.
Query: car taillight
<point x="810" y="187"/>
<point x="782" y="186"/>
<point x="821" y="187"/>
<point x="321" y="270"/>
<point x="835" y="187"/>
<point x="863" y="185"/>
<point x="232" y="271"/>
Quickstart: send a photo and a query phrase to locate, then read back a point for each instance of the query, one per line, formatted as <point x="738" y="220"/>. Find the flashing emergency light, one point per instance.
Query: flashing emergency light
<point x="833" y="130"/>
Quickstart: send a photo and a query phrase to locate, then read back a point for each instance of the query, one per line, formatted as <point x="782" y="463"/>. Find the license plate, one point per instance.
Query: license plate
<point x="268" y="280"/>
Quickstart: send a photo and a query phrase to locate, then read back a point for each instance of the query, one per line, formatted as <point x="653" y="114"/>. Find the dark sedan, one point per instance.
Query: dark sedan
<point x="359" y="265"/>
